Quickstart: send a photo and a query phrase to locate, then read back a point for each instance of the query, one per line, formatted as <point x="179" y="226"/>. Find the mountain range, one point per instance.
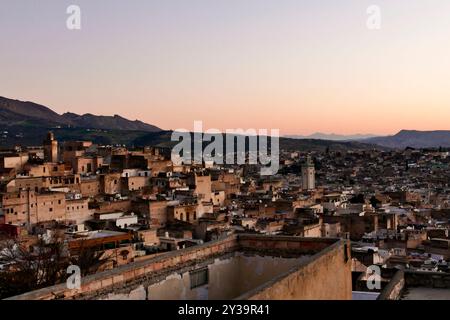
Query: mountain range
<point x="401" y="140"/>
<point x="413" y="139"/>
<point x="333" y="136"/>
<point x="26" y="123"/>
<point x="15" y="112"/>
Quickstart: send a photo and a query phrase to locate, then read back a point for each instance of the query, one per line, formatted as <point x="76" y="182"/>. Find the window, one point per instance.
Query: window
<point x="59" y="201"/>
<point x="124" y="254"/>
<point x="50" y="209"/>
<point x="199" y="278"/>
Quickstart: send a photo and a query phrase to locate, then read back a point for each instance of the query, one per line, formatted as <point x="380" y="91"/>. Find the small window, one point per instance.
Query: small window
<point x="199" y="278"/>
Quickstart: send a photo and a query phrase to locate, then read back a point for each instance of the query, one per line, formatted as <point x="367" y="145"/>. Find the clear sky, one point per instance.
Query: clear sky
<point x="300" y="66"/>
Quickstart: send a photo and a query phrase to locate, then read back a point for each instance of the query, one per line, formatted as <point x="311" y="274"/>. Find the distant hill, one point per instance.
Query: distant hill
<point x="107" y="122"/>
<point x="15" y="112"/>
<point x="286" y="144"/>
<point x="333" y="137"/>
<point x="26" y="123"/>
<point x="414" y="139"/>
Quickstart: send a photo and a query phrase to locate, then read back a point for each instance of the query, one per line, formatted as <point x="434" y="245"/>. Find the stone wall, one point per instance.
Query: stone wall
<point x="394" y="289"/>
<point x="129" y="277"/>
<point x="325" y="275"/>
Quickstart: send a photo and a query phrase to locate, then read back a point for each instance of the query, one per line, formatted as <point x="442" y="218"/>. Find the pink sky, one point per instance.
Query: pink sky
<point x="291" y="65"/>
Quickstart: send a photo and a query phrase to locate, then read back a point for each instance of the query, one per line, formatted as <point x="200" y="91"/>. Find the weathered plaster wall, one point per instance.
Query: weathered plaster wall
<point x="394" y="289"/>
<point x="326" y="277"/>
<point x="228" y="278"/>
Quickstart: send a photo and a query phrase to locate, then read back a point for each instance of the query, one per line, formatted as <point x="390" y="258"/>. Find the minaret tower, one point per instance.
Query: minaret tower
<point x="50" y="148"/>
<point x="308" y="174"/>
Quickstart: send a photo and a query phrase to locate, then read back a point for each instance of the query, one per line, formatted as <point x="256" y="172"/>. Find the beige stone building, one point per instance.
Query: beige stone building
<point x="28" y="207"/>
<point x="183" y="212"/>
<point x="77" y="211"/>
<point x="110" y="183"/>
<point x="69" y="181"/>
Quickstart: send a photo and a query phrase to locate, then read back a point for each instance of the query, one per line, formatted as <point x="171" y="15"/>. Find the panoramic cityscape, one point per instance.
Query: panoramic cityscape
<point x="209" y="151"/>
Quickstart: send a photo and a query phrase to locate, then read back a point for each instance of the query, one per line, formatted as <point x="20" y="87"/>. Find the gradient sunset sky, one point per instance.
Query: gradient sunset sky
<point x="300" y="66"/>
